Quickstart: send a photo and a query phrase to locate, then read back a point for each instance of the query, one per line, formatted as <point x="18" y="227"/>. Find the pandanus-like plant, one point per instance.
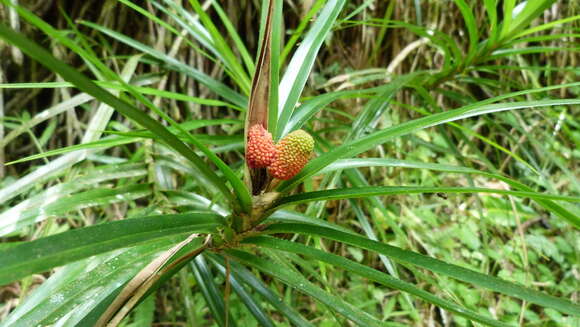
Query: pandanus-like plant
<point x="238" y="218"/>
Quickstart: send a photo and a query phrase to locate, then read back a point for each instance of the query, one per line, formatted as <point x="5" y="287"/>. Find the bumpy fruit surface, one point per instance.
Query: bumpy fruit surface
<point x="292" y="154"/>
<point x="260" y="151"/>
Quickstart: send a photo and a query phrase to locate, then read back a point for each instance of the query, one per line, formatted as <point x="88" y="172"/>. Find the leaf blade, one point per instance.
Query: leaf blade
<point x="52" y="251"/>
<point x="368" y="142"/>
<point x="300" y="283"/>
<point x="371" y="274"/>
<point x="454" y="271"/>
<point x="300" y="65"/>
<point x="85" y="84"/>
<point x="360" y="192"/>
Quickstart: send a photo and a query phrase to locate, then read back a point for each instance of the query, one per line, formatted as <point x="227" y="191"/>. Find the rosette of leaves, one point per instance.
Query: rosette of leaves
<point x="233" y="241"/>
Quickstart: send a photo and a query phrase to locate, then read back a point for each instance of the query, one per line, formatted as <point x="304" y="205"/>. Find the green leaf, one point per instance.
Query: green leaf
<point x="262" y="317"/>
<point x="44" y="115"/>
<point x="490" y="9"/>
<point x="218" y="87"/>
<point x="299" y="68"/>
<point x="213" y="297"/>
<point x="11" y="218"/>
<point x="14" y="221"/>
<point x="360" y="192"/>
<point x="377" y="105"/>
<point x="508" y="9"/>
<point x="546" y="26"/>
<point x="56" y="250"/>
<point x="77" y="288"/>
<point x="275" y="64"/>
<point x="370" y="162"/>
<point x="434" y="265"/>
<point x="363" y="144"/>
<point x="527" y="50"/>
<point x="300" y="29"/>
<point x="115" y="86"/>
<point x="259" y="287"/>
<point x="229" y="58"/>
<point x="311" y="107"/>
<point x="144" y="313"/>
<point x="296" y="217"/>
<point x="86" y="85"/>
<point x="101" y="144"/>
<point x="235" y="37"/>
<point x="371" y="274"/>
<point x="472" y="28"/>
<point x="377" y="210"/>
<point x="300" y="283"/>
<point x="532" y="9"/>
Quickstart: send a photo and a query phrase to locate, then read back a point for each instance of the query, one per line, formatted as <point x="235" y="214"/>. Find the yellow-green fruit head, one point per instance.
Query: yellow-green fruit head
<point x="292" y="154"/>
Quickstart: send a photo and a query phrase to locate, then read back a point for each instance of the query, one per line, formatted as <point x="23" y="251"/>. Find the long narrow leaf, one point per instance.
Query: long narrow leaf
<point x="437" y="266"/>
<point x="369" y="162"/>
<point x="355" y="147"/>
<point x="360" y="192"/>
<point x="371" y="274"/>
<point x="212" y="295"/>
<point x="218" y="87"/>
<point x="14" y="220"/>
<point x="261" y="288"/>
<point x="56" y="250"/>
<point x="77" y="288"/>
<point x="83" y="83"/>
<point x="249" y="301"/>
<point x="301" y="64"/>
<point x="300" y="283"/>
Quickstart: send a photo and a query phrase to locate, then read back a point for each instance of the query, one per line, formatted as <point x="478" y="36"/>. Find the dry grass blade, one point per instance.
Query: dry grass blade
<point x="143" y="281"/>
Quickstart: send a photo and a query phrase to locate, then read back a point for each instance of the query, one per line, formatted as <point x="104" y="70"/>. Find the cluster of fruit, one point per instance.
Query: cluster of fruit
<point x="285" y="159"/>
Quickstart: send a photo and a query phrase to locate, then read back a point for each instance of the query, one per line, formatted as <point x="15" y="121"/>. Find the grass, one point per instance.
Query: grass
<point x="443" y="191"/>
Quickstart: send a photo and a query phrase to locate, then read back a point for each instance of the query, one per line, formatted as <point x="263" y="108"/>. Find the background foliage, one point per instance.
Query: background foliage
<point x="419" y="146"/>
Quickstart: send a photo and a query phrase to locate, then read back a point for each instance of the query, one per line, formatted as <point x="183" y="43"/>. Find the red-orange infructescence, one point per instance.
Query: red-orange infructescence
<point x="260" y="151"/>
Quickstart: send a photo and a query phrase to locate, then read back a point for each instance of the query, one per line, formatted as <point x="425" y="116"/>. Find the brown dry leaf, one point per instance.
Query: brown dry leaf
<point x="259" y="99"/>
<point x="143" y="281"/>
